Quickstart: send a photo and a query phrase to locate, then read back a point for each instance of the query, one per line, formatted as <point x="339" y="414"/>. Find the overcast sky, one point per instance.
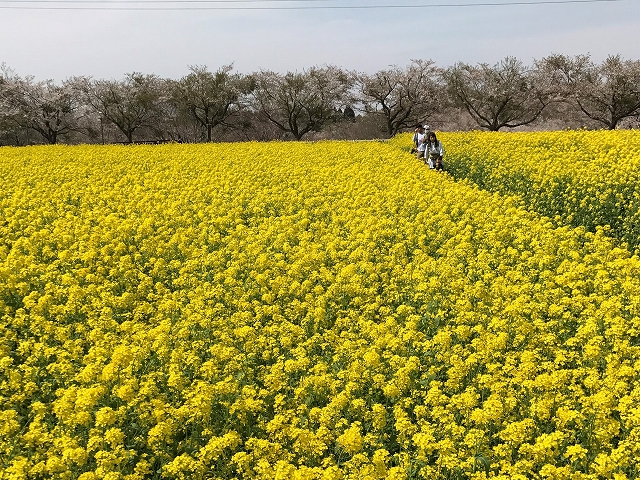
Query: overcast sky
<point x="288" y="35"/>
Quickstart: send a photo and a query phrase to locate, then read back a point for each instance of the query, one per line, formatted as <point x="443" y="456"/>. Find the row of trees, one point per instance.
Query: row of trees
<point x="558" y="91"/>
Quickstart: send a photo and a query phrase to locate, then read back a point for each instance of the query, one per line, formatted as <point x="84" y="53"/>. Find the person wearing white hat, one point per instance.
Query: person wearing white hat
<point x="419" y="145"/>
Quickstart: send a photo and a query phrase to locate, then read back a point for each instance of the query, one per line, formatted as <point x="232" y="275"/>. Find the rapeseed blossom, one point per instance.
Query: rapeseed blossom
<point x="580" y="178"/>
<point x="303" y="311"/>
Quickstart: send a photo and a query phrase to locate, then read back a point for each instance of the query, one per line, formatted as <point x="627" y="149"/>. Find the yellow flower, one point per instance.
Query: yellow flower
<point x="321" y="310"/>
<point x="351" y="440"/>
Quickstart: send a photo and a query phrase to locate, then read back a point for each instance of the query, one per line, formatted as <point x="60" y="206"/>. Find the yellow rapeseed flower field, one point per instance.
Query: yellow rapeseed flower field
<point x="584" y="178"/>
<point x="329" y="310"/>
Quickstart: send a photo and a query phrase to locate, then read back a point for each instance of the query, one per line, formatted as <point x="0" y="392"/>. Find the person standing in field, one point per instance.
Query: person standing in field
<point x="419" y="144"/>
<point x="434" y="152"/>
<point x="418" y="131"/>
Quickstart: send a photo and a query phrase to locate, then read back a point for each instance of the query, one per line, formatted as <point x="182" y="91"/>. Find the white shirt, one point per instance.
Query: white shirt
<point x="435" y="149"/>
